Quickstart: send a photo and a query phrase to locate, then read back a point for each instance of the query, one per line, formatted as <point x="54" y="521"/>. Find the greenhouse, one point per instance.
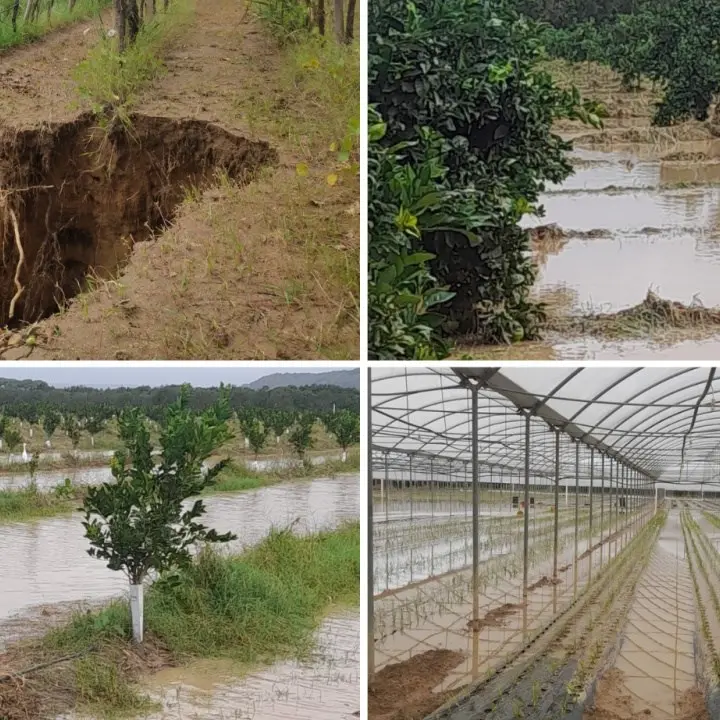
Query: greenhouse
<point x="544" y="543"/>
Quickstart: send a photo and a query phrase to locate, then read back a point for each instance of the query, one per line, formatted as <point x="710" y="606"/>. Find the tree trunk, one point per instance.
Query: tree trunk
<point x="16" y="10"/>
<point x="344" y="455"/>
<point x="350" y="22"/>
<point x="165" y="4"/>
<point x="321" y="16"/>
<point x="339" y="17"/>
<point x="92" y="440"/>
<point x="133" y="19"/>
<point x="71" y="5"/>
<point x="120" y="23"/>
<point x="137" y="611"/>
<point x="49" y="9"/>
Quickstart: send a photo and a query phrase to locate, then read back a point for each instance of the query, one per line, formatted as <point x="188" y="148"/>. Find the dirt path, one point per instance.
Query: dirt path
<point x="266" y="270"/>
<point x="35" y="79"/>
<point x="653" y="677"/>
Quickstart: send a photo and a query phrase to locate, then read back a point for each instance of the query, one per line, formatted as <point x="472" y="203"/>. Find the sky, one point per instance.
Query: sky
<point x="152" y="374"/>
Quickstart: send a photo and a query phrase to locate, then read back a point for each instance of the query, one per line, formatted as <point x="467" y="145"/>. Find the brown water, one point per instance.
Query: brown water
<point x="325" y="687"/>
<point x="46" y="480"/>
<point x="44" y="562"/>
<point x="653" y="236"/>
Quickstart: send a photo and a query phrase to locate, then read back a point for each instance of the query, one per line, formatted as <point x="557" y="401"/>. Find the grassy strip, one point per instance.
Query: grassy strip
<point x="239" y="477"/>
<point x="257" y="607"/>
<point x="110" y="82"/>
<point x="29" y="503"/>
<point x="28" y="32"/>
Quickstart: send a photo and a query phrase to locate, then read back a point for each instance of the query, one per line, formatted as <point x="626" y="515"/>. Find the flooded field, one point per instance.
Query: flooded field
<point x="641" y="213"/>
<point x="327" y="687"/>
<point x="46" y="480"/>
<point x="47" y="572"/>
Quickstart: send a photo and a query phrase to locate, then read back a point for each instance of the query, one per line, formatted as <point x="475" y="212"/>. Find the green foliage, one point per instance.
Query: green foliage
<point x="50" y="422"/>
<point x="345" y="427"/>
<point x="72" y="429"/>
<point x="256" y="432"/>
<point x="110" y="80"/>
<point x="13" y="438"/>
<point x="287" y="19"/>
<point x="94" y="424"/>
<point x="137" y="523"/>
<point x="301" y="437"/>
<point x="458" y="85"/>
<point x="676" y="45"/>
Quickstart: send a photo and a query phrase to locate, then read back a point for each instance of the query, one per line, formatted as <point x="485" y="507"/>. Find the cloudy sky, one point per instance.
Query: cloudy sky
<point x="133" y="375"/>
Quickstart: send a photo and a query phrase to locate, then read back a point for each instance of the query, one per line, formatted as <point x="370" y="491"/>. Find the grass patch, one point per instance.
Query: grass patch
<point x="29" y="503"/>
<point x="256" y="607"/>
<point x="28" y="32"/>
<point x="111" y="82"/>
<point x="237" y="476"/>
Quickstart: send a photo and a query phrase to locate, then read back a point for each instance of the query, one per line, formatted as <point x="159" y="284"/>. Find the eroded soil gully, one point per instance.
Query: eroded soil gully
<point x="45" y="580"/>
<point x="75" y="197"/>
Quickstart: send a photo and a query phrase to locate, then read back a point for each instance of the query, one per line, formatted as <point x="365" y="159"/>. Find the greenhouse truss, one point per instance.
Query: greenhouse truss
<point x="503" y="500"/>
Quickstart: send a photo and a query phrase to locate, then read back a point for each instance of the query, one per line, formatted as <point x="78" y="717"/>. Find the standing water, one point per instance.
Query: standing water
<point x="44" y="563"/>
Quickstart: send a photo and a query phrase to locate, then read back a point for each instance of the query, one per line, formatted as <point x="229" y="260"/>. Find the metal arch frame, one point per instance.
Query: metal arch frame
<point x="648" y="446"/>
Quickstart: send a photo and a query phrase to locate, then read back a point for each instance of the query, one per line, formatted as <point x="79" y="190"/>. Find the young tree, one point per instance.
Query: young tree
<point x="345" y="427"/>
<point x="256" y="433"/>
<point x="137" y="523"/>
<point x="94" y="425"/>
<point x="50" y="422"/>
<point x="4" y="424"/>
<point x="279" y="421"/>
<point x="301" y="437"/>
<point x="13" y="438"/>
<point x="72" y="427"/>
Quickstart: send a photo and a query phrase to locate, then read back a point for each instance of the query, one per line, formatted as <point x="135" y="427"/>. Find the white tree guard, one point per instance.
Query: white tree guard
<point x="137" y="612"/>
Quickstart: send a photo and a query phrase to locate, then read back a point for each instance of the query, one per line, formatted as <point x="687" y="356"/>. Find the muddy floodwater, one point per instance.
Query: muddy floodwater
<point x="326" y="687"/>
<point x="46" y="480"/>
<point x="628" y="228"/>
<point x="44" y="566"/>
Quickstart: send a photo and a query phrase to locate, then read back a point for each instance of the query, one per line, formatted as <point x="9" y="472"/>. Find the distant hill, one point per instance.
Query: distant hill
<point x="339" y="378"/>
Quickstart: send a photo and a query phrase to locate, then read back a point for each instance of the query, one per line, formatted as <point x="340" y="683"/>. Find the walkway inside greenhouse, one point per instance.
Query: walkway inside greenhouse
<point x="545" y="543"/>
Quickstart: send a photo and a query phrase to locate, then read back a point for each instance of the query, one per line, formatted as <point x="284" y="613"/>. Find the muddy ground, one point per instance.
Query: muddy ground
<point x="628" y="648"/>
<point x="641" y="214"/>
<point x="216" y="253"/>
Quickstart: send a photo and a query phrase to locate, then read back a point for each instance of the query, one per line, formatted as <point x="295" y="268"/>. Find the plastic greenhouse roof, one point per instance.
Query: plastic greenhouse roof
<point x="663" y="422"/>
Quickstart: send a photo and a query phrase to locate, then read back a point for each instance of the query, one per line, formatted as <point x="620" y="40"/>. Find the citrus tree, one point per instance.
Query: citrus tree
<point x="345" y="428"/>
<point x="301" y="434"/>
<point x="139" y="523"/>
<point x="466" y="74"/>
<point x="50" y="423"/>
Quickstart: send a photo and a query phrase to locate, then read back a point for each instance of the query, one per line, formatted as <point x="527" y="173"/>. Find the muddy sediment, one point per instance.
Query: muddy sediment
<point x="75" y="197"/>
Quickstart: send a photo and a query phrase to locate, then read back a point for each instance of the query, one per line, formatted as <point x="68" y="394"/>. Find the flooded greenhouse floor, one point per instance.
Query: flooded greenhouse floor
<point x="633" y="632"/>
<point x="52" y="575"/>
<point x="640" y="213"/>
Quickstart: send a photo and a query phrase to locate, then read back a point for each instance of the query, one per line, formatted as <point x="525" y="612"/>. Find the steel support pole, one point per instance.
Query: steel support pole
<point x="369" y="561"/>
<point x="590" y="524"/>
<point x="557" y="500"/>
<point x="577" y="515"/>
<point x="526" y="516"/>
<point x="475" y="511"/>
<point x="602" y="506"/>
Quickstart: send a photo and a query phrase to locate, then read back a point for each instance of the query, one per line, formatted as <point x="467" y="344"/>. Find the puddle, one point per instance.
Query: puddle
<point x="82" y="197"/>
<point x="45" y="561"/>
<point x="326" y="686"/>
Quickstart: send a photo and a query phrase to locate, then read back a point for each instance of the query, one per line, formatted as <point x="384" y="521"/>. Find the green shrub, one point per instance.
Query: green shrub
<point x="465" y="71"/>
